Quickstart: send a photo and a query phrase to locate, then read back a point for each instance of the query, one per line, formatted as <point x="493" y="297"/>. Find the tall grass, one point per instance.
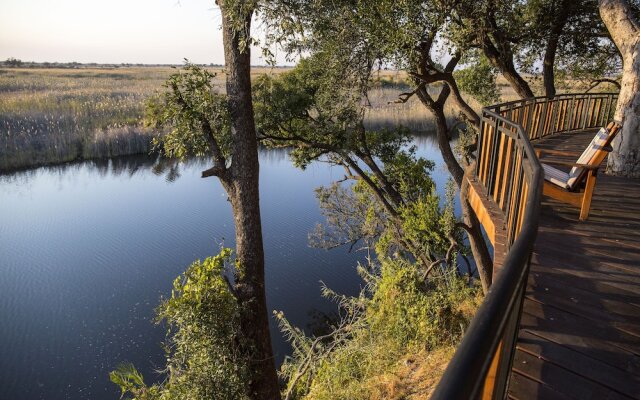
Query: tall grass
<point x="51" y="116"/>
<point x="384" y="112"/>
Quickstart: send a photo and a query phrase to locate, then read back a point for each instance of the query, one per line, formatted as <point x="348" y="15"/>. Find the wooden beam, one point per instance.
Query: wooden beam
<point x="492" y="219"/>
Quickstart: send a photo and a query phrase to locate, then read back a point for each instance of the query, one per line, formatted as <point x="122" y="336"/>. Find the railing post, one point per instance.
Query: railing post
<point x="543" y="118"/>
<point x="553" y="125"/>
<point x="585" y="108"/>
<point x="609" y="104"/>
<point x="571" y="110"/>
<point x="491" y="179"/>
<point x="532" y="109"/>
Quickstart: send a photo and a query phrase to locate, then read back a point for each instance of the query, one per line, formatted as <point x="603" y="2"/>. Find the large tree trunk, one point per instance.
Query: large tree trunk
<point x="559" y="21"/>
<point x="243" y="191"/>
<point x="624" y="28"/>
<point x="548" y="64"/>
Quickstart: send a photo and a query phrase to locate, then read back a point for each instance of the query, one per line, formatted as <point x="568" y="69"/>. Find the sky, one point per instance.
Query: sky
<point x="113" y="31"/>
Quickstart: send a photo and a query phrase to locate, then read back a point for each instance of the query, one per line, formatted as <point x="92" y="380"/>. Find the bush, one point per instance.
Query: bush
<point x="203" y="356"/>
<point x="404" y="315"/>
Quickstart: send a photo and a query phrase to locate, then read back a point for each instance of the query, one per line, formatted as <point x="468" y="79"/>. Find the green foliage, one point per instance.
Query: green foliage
<point x="237" y="15"/>
<point x="411" y="312"/>
<point x="306" y="109"/>
<point x="479" y="79"/>
<point x="203" y="356"/>
<point x="422" y="223"/>
<point x="193" y="111"/>
<point x="351" y="215"/>
<point x="400" y="315"/>
<point x="409" y="175"/>
<point x="127" y="377"/>
<point x="421" y="220"/>
<point x="584" y="50"/>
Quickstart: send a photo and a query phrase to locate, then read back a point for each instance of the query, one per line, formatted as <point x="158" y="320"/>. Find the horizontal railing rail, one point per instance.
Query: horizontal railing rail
<point x="508" y="175"/>
<point x="542" y="116"/>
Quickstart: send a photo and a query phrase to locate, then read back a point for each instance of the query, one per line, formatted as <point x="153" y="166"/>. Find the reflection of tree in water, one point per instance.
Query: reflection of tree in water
<point x="168" y="167"/>
<point x="117" y="166"/>
<point x="160" y="166"/>
<point x="273" y="155"/>
<point x="429" y="139"/>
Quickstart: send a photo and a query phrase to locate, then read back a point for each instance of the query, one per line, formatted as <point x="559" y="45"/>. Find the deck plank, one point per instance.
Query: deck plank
<point x="551" y="352"/>
<point x="579" y="334"/>
<point x="557" y="378"/>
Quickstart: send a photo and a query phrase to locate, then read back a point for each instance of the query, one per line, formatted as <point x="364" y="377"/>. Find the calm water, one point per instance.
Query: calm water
<point x="87" y="250"/>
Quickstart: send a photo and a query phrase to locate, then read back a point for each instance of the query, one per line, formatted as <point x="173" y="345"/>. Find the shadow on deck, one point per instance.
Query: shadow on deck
<point x="579" y="335"/>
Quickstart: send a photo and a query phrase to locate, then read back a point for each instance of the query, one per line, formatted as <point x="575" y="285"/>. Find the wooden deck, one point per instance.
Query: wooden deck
<point x="579" y="334"/>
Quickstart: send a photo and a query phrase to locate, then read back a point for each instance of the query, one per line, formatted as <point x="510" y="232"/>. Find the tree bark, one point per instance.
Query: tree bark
<point x="548" y="63"/>
<point x="503" y="61"/>
<point x="241" y="183"/>
<point x="624" y="28"/>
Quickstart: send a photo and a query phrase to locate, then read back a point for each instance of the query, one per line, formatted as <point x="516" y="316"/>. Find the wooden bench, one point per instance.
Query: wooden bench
<point x="576" y="186"/>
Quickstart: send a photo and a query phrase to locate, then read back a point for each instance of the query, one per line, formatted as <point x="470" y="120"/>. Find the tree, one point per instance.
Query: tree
<point x="202" y="346"/>
<point x="319" y="115"/>
<point x="13" y="62"/>
<point x="223" y="126"/>
<point x="623" y="22"/>
<point x="358" y="35"/>
<point x="497" y="28"/>
<point x="568" y="38"/>
<point x="241" y="180"/>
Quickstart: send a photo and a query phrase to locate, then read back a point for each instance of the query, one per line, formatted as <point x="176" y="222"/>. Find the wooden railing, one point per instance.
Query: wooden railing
<point x="505" y="195"/>
<point x="541" y="116"/>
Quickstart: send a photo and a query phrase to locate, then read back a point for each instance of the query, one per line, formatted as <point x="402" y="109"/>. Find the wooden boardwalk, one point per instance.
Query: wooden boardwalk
<point x="579" y="335"/>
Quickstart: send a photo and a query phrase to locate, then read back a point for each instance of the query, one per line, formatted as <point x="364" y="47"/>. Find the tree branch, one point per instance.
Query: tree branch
<point x="216" y="151"/>
<point x="596" y="82"/>
<point x="404" y="97"/>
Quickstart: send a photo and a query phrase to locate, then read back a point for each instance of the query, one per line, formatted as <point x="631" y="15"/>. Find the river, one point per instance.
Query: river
<point x="88" y="249"/>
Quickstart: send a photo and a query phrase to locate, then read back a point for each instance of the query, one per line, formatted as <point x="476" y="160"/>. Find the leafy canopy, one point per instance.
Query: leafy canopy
<point x="193" y="112"/>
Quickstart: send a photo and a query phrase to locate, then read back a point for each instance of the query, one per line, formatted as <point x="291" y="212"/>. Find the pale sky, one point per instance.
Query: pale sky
<point x="112" y="31"/>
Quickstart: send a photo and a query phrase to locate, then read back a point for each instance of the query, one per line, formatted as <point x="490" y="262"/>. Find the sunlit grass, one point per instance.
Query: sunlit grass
<point x="57" y="115"/>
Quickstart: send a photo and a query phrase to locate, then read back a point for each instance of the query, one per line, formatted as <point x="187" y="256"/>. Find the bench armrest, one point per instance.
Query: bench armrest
<point x="540" y="152"/>
<point x="570" y="164"/>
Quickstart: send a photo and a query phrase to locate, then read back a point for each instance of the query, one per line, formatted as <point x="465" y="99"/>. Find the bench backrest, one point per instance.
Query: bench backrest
<point x="594" y="154"/>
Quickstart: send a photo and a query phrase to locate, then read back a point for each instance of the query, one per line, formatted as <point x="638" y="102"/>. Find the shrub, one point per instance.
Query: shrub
<point x="403" y="315"/>
<point x="203" y="356"/>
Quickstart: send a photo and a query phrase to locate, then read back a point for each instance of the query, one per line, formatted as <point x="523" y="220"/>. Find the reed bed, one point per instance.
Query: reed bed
<point x="57" y="115"/>
<point x="383" y="112"/>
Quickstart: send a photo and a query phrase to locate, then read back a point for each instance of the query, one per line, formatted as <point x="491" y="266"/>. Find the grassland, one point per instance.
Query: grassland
<point x="55" y="115"/>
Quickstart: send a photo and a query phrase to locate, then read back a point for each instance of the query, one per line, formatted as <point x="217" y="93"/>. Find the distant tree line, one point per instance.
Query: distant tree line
<point x="12" y="62"/>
